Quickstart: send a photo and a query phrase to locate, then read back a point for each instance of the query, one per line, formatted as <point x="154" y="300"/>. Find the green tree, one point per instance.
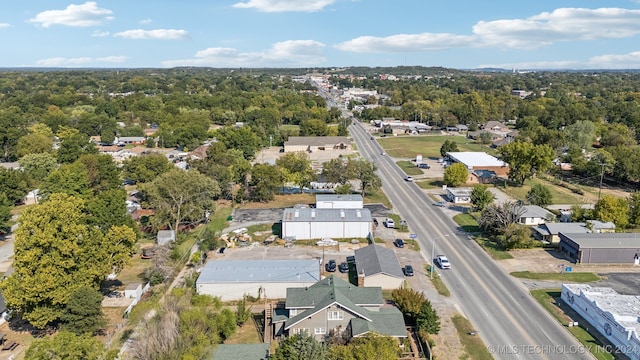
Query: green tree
<point x="300" y="347"/>
<point x="364" y="171"/>
<point x="539" y="195"/>
<point x="515" y="236"/>
<point x="68" y="346"/>
<point x="526" y="159"/>
<point x="448" y="146"/>
<point x="335" y="171"/>
<point x="481" y="197"/>
<point x="38" y="141"/>
<point x="56" y="253"/>
<point x="38" y="166"/>
<point x="145" y="168"/>
<point x="14" y="184"/>
<point x="614" y="209"/>
<point x="582" y="134"/>
<point x="102" y="172"/>
<point x="70" y="179"/>
<point x="83" y="312"/>
<point x="297" y="168"/>
<point x="243" y="311"/>
<point x="5" y="214"/>
<point x="634" y="208"/>
<point x="486" y="138"/>
<point x="265" y="181"/>
<point x="73" y="145"/>
<point x="369" y="346"/>
<point x="244" y="139"/>
<point x="428" y="319"/>
<point x="496" y="217"/>
<point x="456" y="174"/>
<point x="313" y="127"/>
<point x="409" y="301"/>
<point x="181" y="196"/>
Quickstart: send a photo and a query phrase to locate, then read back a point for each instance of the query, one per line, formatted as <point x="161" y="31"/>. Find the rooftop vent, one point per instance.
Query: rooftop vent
<point x="358" y="213"/>
<point x="342" y="213"/>
<point x="313" y="213"/>
<point x="296" y="214"/>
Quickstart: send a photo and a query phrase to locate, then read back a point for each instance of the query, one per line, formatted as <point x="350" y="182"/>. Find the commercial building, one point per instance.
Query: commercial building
<point x="339" y="201"/>
<point x="479" y="161"/>
<point x="310" y="223"/>
<point x="233" y="279"/>
<point x="614" y="315"/>
<point x="316" y="143"/>
<point x="459" y="195"/>
<point x="601" y="248"/>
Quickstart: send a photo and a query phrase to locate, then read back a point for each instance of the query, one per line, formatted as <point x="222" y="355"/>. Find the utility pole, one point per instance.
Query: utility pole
<point x="601" y="177"/>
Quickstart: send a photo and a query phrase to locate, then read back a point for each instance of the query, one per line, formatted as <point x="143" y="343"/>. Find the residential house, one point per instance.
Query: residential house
<point x="316" y="143"/>
<point x="535" y="215"/>
<point x="334" y="306"/>
<point x="481" y="177"/>
<point x="496" y="127"/>
<point x="378" y="266"/>
<point x="549" y="232"/>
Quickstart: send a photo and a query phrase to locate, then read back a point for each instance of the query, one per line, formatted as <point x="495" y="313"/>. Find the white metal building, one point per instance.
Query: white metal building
<point x="308" y="223"/>
<point x="233" y="279"/>
<point x="614" y="315"/>
<point x="338" y="201"/>
<point x="459" y="195"/>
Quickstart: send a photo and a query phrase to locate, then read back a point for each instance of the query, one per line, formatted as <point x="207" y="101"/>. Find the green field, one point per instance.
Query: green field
<point x="473" y="345"/>
<point x="409" y="167"/>
<point x="579" y="277"/>
<point x="467" y="222"/>
<point x="427" y="145"/>
<point x="560" y="194"/>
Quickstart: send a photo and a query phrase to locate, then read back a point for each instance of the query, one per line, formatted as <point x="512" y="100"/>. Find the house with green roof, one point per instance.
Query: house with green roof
<point x="334" y="306"/>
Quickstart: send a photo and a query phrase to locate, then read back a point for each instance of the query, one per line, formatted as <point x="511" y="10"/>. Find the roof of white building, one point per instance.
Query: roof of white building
<point x="460" y="191"/>
<point x="625" y="309"/>
<point x="237" y="271"/>
<point x="535" y="211"/>
<point x="326" y="215"/>
<point x="338" y="197"/>
<point x="474" y="159"/>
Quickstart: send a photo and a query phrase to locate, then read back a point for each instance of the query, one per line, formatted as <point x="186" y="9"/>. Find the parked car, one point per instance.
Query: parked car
<point x="408" y="270"/>
<point x="375" y="221"/>
<point x="344" y="267"/>
<point x="443" y="262"/>
<point x="389" y="223"/>
<point x="398" y="243"/>
<point x="441" y="203"/>
<point x="372" y="138"/>
<point x="330" y="266"/>
<point x="408" y="178"/>
<point x="424" y="166"/>
<point x="382" y="153"/>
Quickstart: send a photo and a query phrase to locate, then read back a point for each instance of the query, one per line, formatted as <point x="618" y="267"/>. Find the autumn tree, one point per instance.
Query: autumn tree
<point x="56" y="254"/>
<point x="481" y="197"/>
<point x="614" y="209"/>
<point x="539" y="195"/>
<point x="296" y="168"/>
<point x="364" y="171"/>
<point x="180" y="196"/>
<point x="456" y="174"/>
<point x="526" y="159"/>
<point x="409" y="301"/>
<point x="447" y="147"/>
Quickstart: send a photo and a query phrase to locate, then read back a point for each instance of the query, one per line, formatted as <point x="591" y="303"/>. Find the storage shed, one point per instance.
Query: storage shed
<point x="233" y="279"/>
<point x="307" y="223"/>
<point x="601" y="248"/>
<point x="339" y="201"/>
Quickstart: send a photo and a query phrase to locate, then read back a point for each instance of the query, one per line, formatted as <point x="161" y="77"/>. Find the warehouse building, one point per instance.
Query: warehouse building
<point x="309" y="223"/>
<point x="601" y="248"/>
<point x="479" y="161"/>
<point x="316" y="143"/>
<point x="233" y="279"/>
<point x="339" y="201"/>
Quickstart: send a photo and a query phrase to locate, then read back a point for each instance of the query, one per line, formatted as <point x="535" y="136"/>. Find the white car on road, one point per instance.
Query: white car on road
<point x="443" y="262"/>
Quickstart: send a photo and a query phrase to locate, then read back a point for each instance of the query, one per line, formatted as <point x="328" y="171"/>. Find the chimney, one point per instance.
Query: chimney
<point x="361" y="278"/>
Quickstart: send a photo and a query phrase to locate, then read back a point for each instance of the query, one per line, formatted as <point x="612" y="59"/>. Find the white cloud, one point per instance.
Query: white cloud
<point x="4" y="25"/>
<point x="271" y="6"/>
<point x="563" y="24"/>
<point x="85" y="61"/>
<point x="158" y="34"/>
<point x="624" y="61"/>
<point x="406" y="43"/>
<point x="87" y="14"/>
<point x="99" y="33"/>
<point x="290" y="53"/>
<point x="146" y="21"/>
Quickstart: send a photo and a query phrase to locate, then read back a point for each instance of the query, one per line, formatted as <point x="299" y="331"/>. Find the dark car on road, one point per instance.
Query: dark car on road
<point x="330" y="266"/>
<point x="424" y="166"/>
<point x="408" y="270"/>
<point x="398" y="243"/>
<point x="344" y="267"/>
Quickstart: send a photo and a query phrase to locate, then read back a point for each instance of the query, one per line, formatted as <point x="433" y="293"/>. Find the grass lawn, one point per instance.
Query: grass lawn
<point x="560" y="194"/>
<point x="467" y="222"/>
<point x="426" y="145"/>
<point x="132" y="273"/>
<point x="294" y="130"/>
<point x="579" y="277"/>
<point x="396" y="220"/>
<point x="247" y="333"/>
<point x="473" y="344"/>
<point x="281" y="201"/>
<point x="409" y="167"/>
<point x="492" y="248"/>
<point x="547" y="298"/>
<point x="437" y="282"/>
<point x="376" y="197"/>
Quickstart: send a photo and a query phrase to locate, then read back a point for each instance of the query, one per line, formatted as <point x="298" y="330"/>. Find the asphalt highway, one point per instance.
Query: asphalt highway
<point x="507" y="318"/>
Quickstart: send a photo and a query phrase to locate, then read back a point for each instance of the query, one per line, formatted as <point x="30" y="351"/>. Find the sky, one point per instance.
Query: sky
<point x="461" y="34"/>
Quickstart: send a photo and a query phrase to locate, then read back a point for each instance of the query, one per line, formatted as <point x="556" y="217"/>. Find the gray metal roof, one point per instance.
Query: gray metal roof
<point x="535" y="211"/>
<point x="237" y="271"/>
<point x="555" y="228"/>
<point x="326" y="215"/>
<point x="375" y="259"/>
<point x="338" y="197"/>
<point x="606" y="240"/>
<point x="241" y="351"/>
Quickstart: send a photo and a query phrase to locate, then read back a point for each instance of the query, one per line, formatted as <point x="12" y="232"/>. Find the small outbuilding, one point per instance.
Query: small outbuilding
<point x="601" y="248"/>
<point x="459" y="195"/>
<point x="378" y="266"/>
<point x="165" y="237"/>
<point x="233" y="279"/>
<point x="133" y="291"/>
<point x="339" y="201"/>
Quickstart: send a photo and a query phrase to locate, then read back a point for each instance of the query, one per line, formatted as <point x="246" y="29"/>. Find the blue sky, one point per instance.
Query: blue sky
<point x="461" y="34"/>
